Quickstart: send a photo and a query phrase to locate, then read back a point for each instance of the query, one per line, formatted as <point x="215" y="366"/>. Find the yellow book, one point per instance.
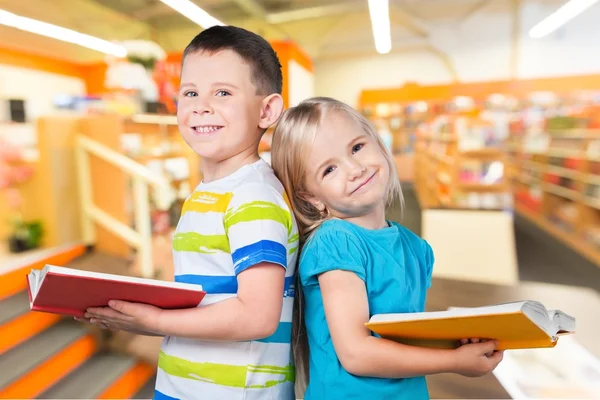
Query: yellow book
<point x="517" y="325"/>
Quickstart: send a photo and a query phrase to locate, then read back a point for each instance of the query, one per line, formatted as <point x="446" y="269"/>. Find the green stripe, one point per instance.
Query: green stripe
<point x="207" y="244"/>
<point x="294" y="238"/>
<point x="256" y="211"/>
<point x="222" y="374"/>
<point x="293" y="250"/>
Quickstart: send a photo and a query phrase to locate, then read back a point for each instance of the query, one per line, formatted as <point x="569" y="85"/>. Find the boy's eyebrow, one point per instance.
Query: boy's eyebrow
<point x="186" y="84"/>
<point x="231" y="85"/>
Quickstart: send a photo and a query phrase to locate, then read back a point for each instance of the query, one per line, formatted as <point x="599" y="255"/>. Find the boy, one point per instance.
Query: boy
<point x="237" y="236"/>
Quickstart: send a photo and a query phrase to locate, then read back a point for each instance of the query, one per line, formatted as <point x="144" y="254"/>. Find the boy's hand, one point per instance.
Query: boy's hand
<point x="121" y="315"/>
<point x="477" y="358"/>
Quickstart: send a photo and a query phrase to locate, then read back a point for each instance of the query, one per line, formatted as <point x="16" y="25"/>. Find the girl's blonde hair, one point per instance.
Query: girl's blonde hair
<point x="293" y="138"/>
<point x="292" y="141"/>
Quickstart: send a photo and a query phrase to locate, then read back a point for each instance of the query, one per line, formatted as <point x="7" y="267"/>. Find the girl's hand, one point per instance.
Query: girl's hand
<point x="467" y="341"/>
<point x="476" y="358"/>
<point x="121" y="315"/>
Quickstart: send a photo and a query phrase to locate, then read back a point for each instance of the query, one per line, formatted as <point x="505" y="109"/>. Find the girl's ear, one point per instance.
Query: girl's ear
<point x="271" y="109"/>
<point x="312" y="200"/>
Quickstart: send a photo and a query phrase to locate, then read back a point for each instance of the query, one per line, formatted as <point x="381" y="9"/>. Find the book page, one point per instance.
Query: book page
<point x="122" y="278"/>
<point x="451" y="312"/>
<point x="567" y="371"/>
<point x="34" y="282"/>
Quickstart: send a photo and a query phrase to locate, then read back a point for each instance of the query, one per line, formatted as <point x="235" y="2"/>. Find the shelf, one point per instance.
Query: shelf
<point x="568" y="238"/>
<point x="481" y="187"/>
<point x="561" y="191"/>
<point x="589" y="201"/>
<point x="574" y="133"/>
<point x="154" y="119"/>
<point x="482" y="153"/>
<point x="564" y="166"/>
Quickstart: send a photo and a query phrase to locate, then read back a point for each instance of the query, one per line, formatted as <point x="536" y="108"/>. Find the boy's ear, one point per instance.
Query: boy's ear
<point x="271" y="109"/>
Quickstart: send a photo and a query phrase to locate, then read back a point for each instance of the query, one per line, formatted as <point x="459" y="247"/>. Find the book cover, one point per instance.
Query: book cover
<point x="513" y="326"/>
<point x="68" y="292"/>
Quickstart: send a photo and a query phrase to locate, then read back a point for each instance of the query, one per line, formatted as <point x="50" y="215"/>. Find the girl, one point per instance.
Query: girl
<point x="354" y="263"/>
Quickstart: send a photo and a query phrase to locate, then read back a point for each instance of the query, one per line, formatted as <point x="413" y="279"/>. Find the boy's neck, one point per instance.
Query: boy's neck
<point x="215" y="170"/>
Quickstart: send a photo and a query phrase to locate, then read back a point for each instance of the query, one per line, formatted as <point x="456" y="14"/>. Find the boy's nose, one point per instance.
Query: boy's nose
<point x="203" y="107"/>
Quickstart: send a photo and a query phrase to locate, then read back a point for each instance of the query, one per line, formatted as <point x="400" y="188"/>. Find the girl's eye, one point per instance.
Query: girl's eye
<point x="190" y="93"/>
<point x="357" y="147"/>
<point x="222" y="93"/>
<point x="328" y="170"/>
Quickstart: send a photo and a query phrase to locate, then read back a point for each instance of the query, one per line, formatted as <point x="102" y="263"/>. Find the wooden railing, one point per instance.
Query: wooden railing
<point x="139" y="238"/>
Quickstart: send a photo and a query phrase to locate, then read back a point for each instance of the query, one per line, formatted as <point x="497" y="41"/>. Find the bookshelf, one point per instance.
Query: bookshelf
<point x="556" y="179"/>
<point x="465" y="197"/>
<point x="460" y="164"/>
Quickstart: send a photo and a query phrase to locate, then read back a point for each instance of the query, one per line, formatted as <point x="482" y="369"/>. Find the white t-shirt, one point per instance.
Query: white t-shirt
<point x="227" y="226"/>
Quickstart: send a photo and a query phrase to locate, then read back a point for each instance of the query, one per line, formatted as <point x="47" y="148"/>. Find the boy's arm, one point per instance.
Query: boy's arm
<point x="253" y="314"/>
<point x="347" y="310"/>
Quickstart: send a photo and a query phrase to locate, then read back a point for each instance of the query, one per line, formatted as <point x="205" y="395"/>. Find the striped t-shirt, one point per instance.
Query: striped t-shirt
<point x="227" y="226"/>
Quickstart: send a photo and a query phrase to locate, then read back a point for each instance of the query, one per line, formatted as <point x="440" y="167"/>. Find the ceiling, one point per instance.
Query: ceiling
<point x="323" y="28"/>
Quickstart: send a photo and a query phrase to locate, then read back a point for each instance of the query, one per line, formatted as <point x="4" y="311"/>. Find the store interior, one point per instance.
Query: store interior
<point x="491" y="109"/>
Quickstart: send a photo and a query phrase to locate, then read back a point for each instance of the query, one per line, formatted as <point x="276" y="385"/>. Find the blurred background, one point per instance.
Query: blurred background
<point x="490" y="107"/>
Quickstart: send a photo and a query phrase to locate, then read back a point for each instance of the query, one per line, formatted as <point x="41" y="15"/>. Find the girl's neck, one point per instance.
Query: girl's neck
<point x="375" y="219"/>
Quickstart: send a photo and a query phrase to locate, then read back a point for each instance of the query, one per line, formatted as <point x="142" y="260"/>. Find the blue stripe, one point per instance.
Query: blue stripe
<point x="161" y="396"/>
<point x="225" y="284"/>
<point x="283" y="334"/>
<point x="211" y="284"/>
<point x="263" y="251"/>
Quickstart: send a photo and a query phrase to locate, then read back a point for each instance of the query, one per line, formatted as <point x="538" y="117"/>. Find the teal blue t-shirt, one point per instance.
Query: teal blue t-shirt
<point x="396" y="266"/>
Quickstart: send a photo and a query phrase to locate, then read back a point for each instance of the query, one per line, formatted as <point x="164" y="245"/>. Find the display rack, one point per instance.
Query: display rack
<point x="460" y="164"/>
<point x="556" y="179"/>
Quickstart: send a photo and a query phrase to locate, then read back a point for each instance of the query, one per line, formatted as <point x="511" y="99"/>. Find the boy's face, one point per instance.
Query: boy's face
<point x="219" y="113"/>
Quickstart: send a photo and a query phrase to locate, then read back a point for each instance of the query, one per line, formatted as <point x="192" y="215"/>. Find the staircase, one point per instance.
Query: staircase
<point x="48" y="356"/>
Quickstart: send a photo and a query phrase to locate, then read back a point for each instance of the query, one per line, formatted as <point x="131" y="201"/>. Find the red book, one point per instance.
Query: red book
<point x="67" y="291"/>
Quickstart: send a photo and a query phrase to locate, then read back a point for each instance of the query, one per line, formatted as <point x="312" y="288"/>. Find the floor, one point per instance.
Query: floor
<point x="541" y="258"/>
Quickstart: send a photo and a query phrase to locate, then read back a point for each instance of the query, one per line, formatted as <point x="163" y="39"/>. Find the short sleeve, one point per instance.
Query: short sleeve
<point x="429" y="259"/>
<point x="333" y="249"/>
<point x="258" y="224"/>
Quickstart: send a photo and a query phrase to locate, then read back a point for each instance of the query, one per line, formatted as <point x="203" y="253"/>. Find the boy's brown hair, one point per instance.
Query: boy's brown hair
<point x="252" y="48"/>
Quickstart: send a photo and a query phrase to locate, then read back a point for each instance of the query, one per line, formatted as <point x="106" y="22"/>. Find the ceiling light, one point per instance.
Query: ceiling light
<point x="193" y="12"/>
<point x="561" y="16"/>
<point x="380" y="21"/>
<point x="64" y="34"/>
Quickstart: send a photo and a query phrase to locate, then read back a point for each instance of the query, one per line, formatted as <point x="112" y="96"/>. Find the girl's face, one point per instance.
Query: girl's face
<point x="347" y="173"/>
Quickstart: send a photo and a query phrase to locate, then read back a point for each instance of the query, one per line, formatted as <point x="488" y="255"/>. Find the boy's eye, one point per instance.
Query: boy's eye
<point x="328" y="170"/>
<point x="190" y="93"/>
<point x="357" y="147"/>
<point x="222" y="93"/>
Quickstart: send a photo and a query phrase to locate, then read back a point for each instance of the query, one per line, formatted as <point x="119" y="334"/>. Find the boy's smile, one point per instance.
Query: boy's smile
<point x="206" y="129"/>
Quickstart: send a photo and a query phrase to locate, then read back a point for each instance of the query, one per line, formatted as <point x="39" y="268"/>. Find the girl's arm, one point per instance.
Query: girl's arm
<point x="347" y="310"/>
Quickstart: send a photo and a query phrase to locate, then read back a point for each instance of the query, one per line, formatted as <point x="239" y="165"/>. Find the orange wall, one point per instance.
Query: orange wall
<point x="519" y="88"/>
<point x="42" y="63"/>
<point x="93" y="74"/>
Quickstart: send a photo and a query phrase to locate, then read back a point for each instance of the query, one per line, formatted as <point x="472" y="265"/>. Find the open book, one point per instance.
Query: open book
<point x="70" y="291"/>
<point x="517" y="325"/>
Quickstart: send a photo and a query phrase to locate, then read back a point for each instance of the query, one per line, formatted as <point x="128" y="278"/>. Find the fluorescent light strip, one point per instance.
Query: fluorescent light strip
<point x="60" y="33"/>
<point x="560" y="17"/>
<point x="193" y="12"/>
<point x="380" y="21"/>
